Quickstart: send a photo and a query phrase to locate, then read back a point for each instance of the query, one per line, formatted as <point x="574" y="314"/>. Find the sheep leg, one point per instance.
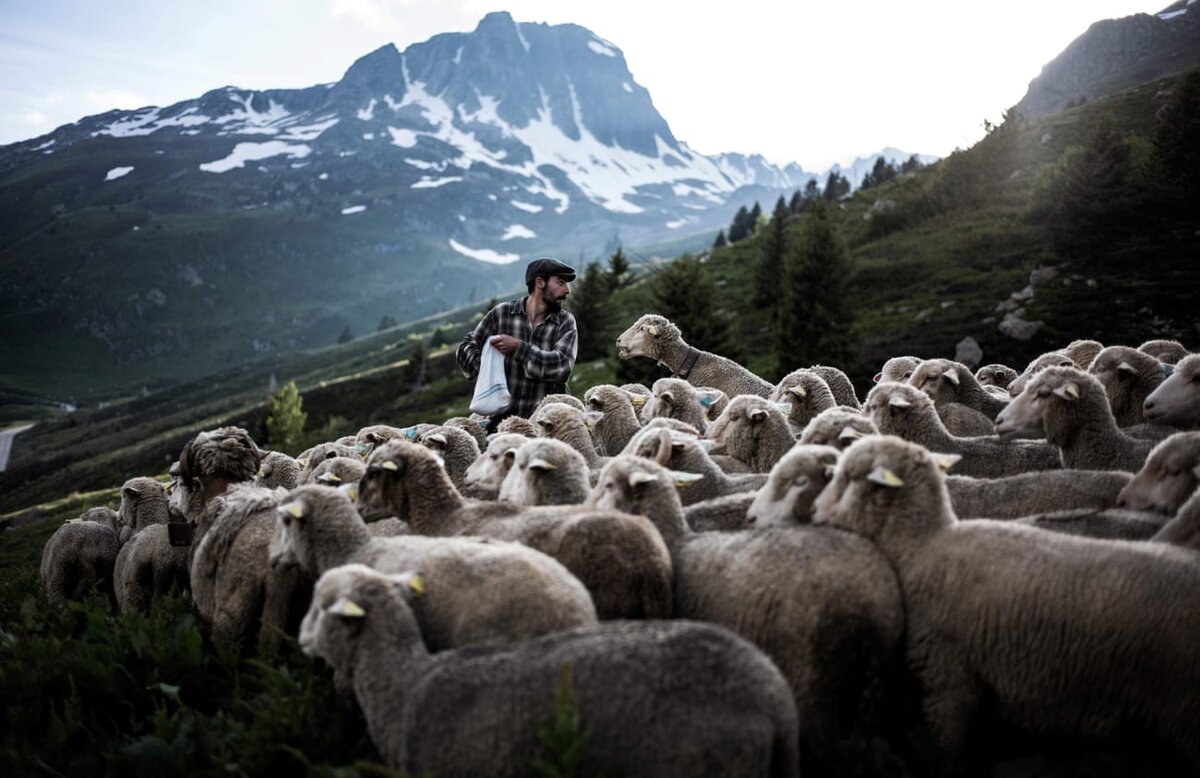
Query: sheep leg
<point x="951" y="697"/>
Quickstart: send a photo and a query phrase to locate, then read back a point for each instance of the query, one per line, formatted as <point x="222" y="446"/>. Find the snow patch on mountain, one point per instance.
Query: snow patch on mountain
<point x="251" y="152"/>
<point x="600" y="48"/>
<point x="309" y="132"/>
<point x="484" y="255"/>
<point x="368" y="113"/>
<point x="353" y="209"/>
<point x="405" y="139"/>
<point x="529" y="207"/>
<point x="432" y="183"/>
<point x="250" y="118"/>
<point x="117" y="172"/>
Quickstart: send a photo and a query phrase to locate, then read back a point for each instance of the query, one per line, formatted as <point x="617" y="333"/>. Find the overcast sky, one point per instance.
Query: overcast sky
<point x="814" y="83"/>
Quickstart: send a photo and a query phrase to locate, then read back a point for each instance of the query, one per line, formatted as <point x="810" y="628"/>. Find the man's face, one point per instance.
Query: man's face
<point x="554" y="292"/>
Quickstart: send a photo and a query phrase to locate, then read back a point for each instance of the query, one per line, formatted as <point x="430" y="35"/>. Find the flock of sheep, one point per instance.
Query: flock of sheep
<point x="733" y="576"/>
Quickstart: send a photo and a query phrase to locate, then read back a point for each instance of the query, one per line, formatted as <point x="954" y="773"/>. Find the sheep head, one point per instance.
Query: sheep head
<point x="795" y="481"/>
<point x="1060" y="396"/>
<point x="897" y="369"/>
<point x="538" y="467"/>
<point x="1177" y="399"/>
<point x="1170" y="476"/>
<point x="394" y="470"/>
<point x="1169" y="352"/>
<point x="1049" y="359"/>
<point x="837" y="427"/>
<point x="646" y="336"/>
<point x="490" y="467"/>
<point x="941" y="379"/>
<point x="896" y="408"/>
<point x="995" y="375"/>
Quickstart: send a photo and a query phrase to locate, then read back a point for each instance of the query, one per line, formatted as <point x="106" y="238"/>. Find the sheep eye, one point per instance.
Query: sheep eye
<point x="287" y="521"/>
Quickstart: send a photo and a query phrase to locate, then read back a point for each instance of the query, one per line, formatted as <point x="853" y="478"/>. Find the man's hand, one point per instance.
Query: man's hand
<point x="505" y="344"/>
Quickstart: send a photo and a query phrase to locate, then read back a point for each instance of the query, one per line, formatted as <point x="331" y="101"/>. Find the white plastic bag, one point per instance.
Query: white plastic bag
<point x="491" y="387"/>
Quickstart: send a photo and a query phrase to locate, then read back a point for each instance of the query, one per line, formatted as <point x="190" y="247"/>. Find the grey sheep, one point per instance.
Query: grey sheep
<point x="686" y="454"/>
<point x="727" y="513"/>
<point x="1176" y="401"/>
<point x="655" y="337"/>
<point x="477" y="590"/>
<point x="566" y="399"/>
<point x="214" y="459"/>
<point x="518" y="425"/>
<point x="753" y="430"/>
<point x="1042" y="491"/>
<point x="658" y="699"/>
<point x="837" y="427"/>
<point x="1184" y="529"/>
<point x="1170" y="476"/>
<point x="1169" y="352"/>
<point x="277" y="471"/>
<point x="1082" y="352"/>
<point x="570" y="425"/>
<point x="965" y="407"/>
<point x="727" y="464"/>
<point x="675" y="398"/>
<point x="456" y="447"/>
<point x="1128" y="377"/>
<point x="822" y="604"/>
<point x="996" y="375"/>
<point x="1104" y="523"/>
<point x="1056" y="634"/>
<point x="314" y="456"/>
<point x="621" y="559"/>
<point x="469" y="425"/>
<point x="808" y="395"/>
<point x="487" y="472"/>
<point x="546" y="472"/>
<point x="839" y="384"/>
<point x="907" y="412"/>
<point x="232" y="585"/>
<point x="786" y="499"/>
<point x="372" y="437"/>
<point x="147" y="566"/>
<point x="619" y="421"/>
<point x="81" y="554"/>
<point x="713" y="400"/>
<point x="1070" y="409"/>
<point x="337" y="471"/>
<point x="1040" y="363"/>
<point x="897" y="369"/>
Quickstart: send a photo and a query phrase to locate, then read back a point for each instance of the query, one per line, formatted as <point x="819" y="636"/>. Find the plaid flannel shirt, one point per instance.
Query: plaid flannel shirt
<point x="542" y="363"/>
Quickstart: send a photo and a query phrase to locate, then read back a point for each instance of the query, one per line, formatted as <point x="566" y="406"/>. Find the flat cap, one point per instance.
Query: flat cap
<point x="548" y="267"/>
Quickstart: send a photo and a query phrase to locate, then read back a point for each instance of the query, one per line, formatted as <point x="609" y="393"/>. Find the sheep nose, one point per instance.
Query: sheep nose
<point x="1148" y="404"/>
<point x="1122" y="502"/>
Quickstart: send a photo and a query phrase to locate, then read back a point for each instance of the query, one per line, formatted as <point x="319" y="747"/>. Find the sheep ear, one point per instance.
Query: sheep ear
<point x="829" y="471"/>
<point x="885" y="477"/>
<point x="945" y="461"/>
<point x="329" y="478"/>
<point x="302" y="462"/>
<point x="952" y="376"/>
<point x="757" y="414"/>
<point x="294" y="510"/>
<point x="1068" y="391"/>
<point x="542" y="465"/>
<point x="133" y="491"/>
<point x="347" y="609"/>
<point x="639" y="477"/>
<point x="638" y="400"/>
<point x="877" y="378"/>
<point x="262" y="471"/>
<point x="412" y="581"/>
<point x="653" y="330"/>
<point x="1168" y="369"/>
<point x="410" y="432"/>
<point x="511" y="453"/>
<point x="1128" y="369"/>
<point x="436" y="437"/>
<point x="169" y="487"/>
<point x="667" y="397"/>
<point x="350" y="489"/>
<point x="799" y="391"/>
<point x="849" y="433"/>
<point x="896" y="401"/>
<point x="685" y="479"/>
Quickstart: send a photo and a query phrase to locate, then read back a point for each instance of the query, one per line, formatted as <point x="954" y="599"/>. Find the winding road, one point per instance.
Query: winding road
<point x="6" y="441"/>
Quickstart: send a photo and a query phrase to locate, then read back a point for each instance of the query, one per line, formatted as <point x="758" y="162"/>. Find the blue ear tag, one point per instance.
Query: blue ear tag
<point x="410" y="432"/>
<point x="1168" y="369"/>
<point x="706" y="400"/>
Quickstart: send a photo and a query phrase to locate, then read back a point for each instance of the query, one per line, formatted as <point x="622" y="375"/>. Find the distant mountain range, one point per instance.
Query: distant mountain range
<point x="166" y="242"/>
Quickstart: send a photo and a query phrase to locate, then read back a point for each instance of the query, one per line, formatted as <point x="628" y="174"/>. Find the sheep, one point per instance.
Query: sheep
<point x="964" y="406"/>
<point x="372" y="437"/>
<point x="486" y="473"/>
<point x="1184" y="529"/>
<point x="147" y="566"/>
<point x="621" y="559"/>
<point x="232" y="586"/>
<point x="1176" y="401"/>
<point x="726" y="513"/>
<point x="1082" y="352"/>
<point x="518" y="425"/>
<point x="571" y="426"/>
<point x="1054" y="633"/>
<point x="1128" y="377"/>
<point x="753" y="430"/>
<point x="214" y="459"/>
<point x="277" y="470"/>
<point x="338" y="470"/>
<point x="1040" y="363"/>
<point x="546" y="472"/>
<point x="996" y="375"/>
<point x="1170" y="476"/>
<point x="714" y="401"/>
<point x="686" y="454"/>
<point x="566" y="399"/>
<point x="457" y="449"/>
<point x="638" y="394"/>
<point x="322" y="451"/>
<point x="1069" y="408"/>
<point x="469" y="425"/>
<point x="658" y="699"/>
<point x="897" y="369"/>
<point x="823" y="605"/>
<point x="907" y="412"/>
<point x="656" y="337"/>
<point x="838" y="383"/>
<point x="807" y="393"/>
<point x="837" y="427"/>
<point x="479" y="590"/>
<point x="786" y="499"/>
<point x="1106" y="523"/>
<point x="79" y="555"/>
<point x="1042" y="491"/>
<point x="675" y="398"/>
<point x="1169" y="352"/>
<point x="619" y="421"/>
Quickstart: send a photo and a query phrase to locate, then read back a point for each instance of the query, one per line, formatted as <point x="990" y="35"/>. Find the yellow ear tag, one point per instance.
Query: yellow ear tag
<point x="390" y="465"/>
<point x="799" y="391"/>
<point x="417" y="585"/>
<point x="348" y="609"/>
<point x="945" y="461"/>
<point x="261" y="472"/>
<point x="885" y="477"/>
<point x="294" y="510"/>
<point x="302" y="462"/>
<point x="638" y="400"/>
<point x="541" y="464"/>
<point x="332" y="478"/>
<point x="849" y="433"/>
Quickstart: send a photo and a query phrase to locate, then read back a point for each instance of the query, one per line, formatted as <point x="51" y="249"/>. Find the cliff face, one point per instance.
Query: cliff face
<point x="1116" y="54"/>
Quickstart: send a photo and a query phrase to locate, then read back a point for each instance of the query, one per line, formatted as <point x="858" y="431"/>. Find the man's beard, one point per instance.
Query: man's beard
<point x="553" y="306"/>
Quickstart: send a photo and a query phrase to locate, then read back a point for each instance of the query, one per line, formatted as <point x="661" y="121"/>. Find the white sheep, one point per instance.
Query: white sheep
<point x="837" y="427"/>
<point x="898" y="369"/>
<point x="675" y="398"/>
<point x="660" y="699"/>
<point x="808" y="395"/>
<point x="545" y="471"/>
<point x="278" y="470"/>
<point x="686" y="454"/>
<point x="619" y="420"/>
<point x="1176" y="401"/>
<point x="1168" y="479"/>
<point x="656" y="337"/>
<point x="79" y="555"/>
<point x="753" y="430"/>
<point x="1040" y="363"/>
<point x="1082" y="352"/>
<point x="147" y="566"/>
<point x="1169" y="352"/>
<point x="1056" y="634"/>
<point x="786" y="499"/>
<point x="487" y="472"/>
<point x="1128" y="377"/>
<point x="479" y="590"/>
<point x="996" y="375"/>
<point x="518" y="425"/>
<point x="1070" y="409"/>
<point x="1040" y="491"/>
<point x="456" y="447"/>
<point x="838" y="383"/>
<point x="965" y="407"/>
<point x="573" y="427"/>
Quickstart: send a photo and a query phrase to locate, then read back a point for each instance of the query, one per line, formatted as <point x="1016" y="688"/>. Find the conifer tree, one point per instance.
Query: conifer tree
<point x="385" y="323"/>
<point x="768" y="266"/>
<point x="346" y="336"/>
<point x="836" y="187"/>
<point x="285" y="419"/>
<point x="685" y="293"/>
<point x="618" y="270"/>
<point x="739" y="228"/>
<point x="590" y="305"/>
<point x="1176" y="150"/>
<point x="812" y="190"/>
<point x="720" y="242"/>
<point x="911" y="164"/>
<point x="756" y="218"/>
<point x="415" y="377"/>
<point x="796" y="204"/>
<point x="814" y="315"/>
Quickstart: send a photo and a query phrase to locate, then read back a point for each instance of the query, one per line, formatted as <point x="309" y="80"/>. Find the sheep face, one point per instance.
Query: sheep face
<point x="995" y="375"/>
<point x="807" y="393"/>
<point x="1062" y="397"/>
<point x="642" y="339"/>
<point x="489" y="468"/>
<point x="897" y="369"/>
<point x="794" y="483"/>
<point x="559" y="420"/>
<point x="939" y="379"/>
<point x="1128" y="376"/>
<point x="537" y="465"/>
<point x="894" y="408"/>
<point x="627" y="484"/>
<point x="837" y="427"/>
<point x="384" y="488"/>
<point x="338" y="470"/>
<point x="1176" y="400"/>
<point x="1169" y="478"/>
<point x="736" y="431"/>
<point x="370" y="438"/>
<point x="1169" y="352"/>
<point x="1049" y="359"/>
